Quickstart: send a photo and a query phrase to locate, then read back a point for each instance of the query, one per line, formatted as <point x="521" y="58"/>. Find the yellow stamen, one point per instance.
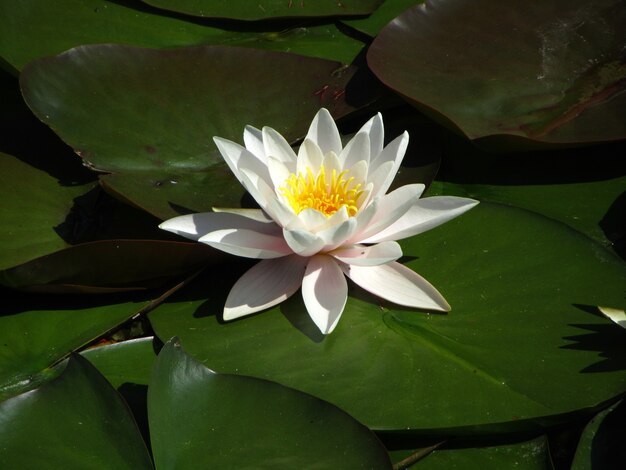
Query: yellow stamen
<point x="326" y="195"/>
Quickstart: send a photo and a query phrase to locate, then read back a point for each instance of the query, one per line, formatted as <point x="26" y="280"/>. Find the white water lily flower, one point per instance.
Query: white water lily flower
<point x="325" y="213"/>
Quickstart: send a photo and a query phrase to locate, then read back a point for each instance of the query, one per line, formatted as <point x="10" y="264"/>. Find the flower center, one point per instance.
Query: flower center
<point x="324" y="193"/>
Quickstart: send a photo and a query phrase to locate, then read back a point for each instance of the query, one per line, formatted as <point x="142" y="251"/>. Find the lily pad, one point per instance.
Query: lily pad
<point x="550" y="72"/>
<point x="266" y="9"/>
<point x="74" y="421"/>
<point x="533" y="454"/>
<point x="93" y="95"/>
<point x="200" y="419"/>
<point x="37" y="332"/>
<point x="520" y="286"/>
<point x="602" y="442"/>
<point x="38" y="28"/>
<point x="383" y="15"/>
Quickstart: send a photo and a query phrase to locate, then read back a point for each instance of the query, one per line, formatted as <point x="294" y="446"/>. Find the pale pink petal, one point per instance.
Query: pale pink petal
<point x="398" y="284"/>
<point x="194" y="226"/>
<point x="253" y="138"/>
<point x="376" y="131"/>
<point x="391" y="207"/>
<point x="356" y="150"/>
<point x="266" y="284"/>
<point x="424" y="215"/>
<point x="303" y="242"/>
<point x="248" y="243"/>
<point x="360" y="255"/>
<point x="325" y="291"/>
<point x="323" y="131"/>
<point x="310" y="157"/>
<point x="237" y="157"/>
<point x="276" y="146"/>
<point x="393" y="152"/>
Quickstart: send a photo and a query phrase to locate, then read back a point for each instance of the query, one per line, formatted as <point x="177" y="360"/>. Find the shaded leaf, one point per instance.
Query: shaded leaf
<point x="550" y="72"/>
<point x="37" y="28"/>
<point x="383" y="15"/>
<point x="601" y="445"/>
<point x="92" y="95"/>
<point x="74" y="421"/>
<point x="265" y="9"/>
<point x="39" y="331"/>
<point x="519" y="285"/>
<point x="202" y="419"/>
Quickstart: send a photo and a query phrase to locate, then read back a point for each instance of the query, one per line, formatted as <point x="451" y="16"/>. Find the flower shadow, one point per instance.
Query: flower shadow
<point x="608" y="340"/>
<point x="295" y="312"/>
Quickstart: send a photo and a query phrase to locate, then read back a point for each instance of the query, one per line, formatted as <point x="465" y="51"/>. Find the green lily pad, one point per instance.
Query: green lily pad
<point x="550" y="72"/>
<point x="173" y="118"/>
<point x="38" y="28"/>
<point x="128" y="361"/>
<point x="601" y="445"/>
<point x="533" y="454"/>
<point x="383" y="15"/>
<point x="39" y="331"/>
<point x="200" y="419"/>
<point x="583" y="188"/>
<point x="74" y="421"/>
<point x="520" y="285"/>
<point x="266" y="9"/>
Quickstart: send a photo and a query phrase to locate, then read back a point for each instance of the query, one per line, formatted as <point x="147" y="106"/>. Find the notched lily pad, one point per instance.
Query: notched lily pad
<point x="149" y="116"/>
<point x="266" y="9"/>
<point x="551" y="72"/>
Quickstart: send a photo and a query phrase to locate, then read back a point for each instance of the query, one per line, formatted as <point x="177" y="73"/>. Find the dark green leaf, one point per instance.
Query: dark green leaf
<point x="200" y="419"/>
<point x="149" y="115"/>
<point x="601" y="445"/>
<point x="37" y="28"/>
<point x="551" y="72"/>
<point x="39" y="331"/>
<point x="383" y="15"/>
<point x="523" y="291"/>
<point x="527" y="455"/>
<point x="74" y="421"/>
<point x="124" y="362"/>
<point x="265" y="9"/>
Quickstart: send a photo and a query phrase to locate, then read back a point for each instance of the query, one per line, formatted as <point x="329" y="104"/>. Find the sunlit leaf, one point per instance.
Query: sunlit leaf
<point x="523" y="291"/>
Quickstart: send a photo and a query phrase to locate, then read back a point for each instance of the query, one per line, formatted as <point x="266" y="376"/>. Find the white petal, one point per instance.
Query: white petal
<point x="279" y="172"/>
<point x="312" y="219"/>
<point x="391" y="207"/>
<point x="266" y="284"/>
<point x="303" y="242"/>
<point x="331" y="162"/>
<point x="359" y="255"/>
<point x="276" y="146"/>
<point x="254" y="214"/>
<point x="253" y="138"/>
<point x="265" y="196"/>
<point x="378" y="177"/>
<point x="424" y="215"/>
<point x="398" y="284"/>
<point x="374" y="128"/>
<point x="309" y="156"/>
<point x="337" y="235"/>
<point x="325" y="291"/>
<point x="237" y="157"/>
<point x="194" y="226"/>
<point x="323" y="131"/>
<point x="393" y="152"/>
<point x="356" y="150"/>
<point x="358" y="171"/>
<point x="248" y="243"/>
